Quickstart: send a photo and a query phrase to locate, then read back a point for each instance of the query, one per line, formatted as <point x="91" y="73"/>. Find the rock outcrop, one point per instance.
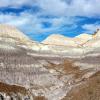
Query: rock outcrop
<point x="95" y="41"/>
<point x="56" y="39"/>
<point x="8" y="31"/>
<point x="82" y="38"/>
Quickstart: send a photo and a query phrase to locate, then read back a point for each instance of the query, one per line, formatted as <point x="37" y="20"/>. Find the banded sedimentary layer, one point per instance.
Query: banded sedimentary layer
<point x="36" y="71"/>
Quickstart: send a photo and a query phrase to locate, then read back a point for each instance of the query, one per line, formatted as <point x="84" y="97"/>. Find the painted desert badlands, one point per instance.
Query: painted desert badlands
<point x="58" y="68"/>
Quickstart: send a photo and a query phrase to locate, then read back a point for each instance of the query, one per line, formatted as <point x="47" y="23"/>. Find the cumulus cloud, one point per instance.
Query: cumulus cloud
<point x="31" y="23"/>
<point x="90" y="28"/>
<point x="53" y="7"/>
<point x="88" y="8"/>
<point x="16" y="3"/>
<point x="24" y="21"/>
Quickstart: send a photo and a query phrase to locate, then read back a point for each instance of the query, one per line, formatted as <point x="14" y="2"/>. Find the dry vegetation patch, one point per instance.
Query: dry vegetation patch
<point x="12" y="89"/>
<point x="90" y="90"/>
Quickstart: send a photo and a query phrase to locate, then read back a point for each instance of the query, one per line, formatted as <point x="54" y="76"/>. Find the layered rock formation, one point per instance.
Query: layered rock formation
<point x="7" y="31"/>
<point x="82" y="38"/>
<point x="56" y="39"/>
<point x="35" y="71"/>
<point x="94" y="42"/>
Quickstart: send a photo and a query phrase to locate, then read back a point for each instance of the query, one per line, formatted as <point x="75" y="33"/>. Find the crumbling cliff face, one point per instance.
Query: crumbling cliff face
<point x="36" y="71"/>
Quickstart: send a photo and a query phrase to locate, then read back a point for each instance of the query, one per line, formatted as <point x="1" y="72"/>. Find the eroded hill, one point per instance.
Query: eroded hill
<point x="34" y="71"/>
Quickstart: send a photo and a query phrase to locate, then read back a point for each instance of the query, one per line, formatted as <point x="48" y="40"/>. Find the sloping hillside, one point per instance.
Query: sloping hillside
<point x="35" y="71"/>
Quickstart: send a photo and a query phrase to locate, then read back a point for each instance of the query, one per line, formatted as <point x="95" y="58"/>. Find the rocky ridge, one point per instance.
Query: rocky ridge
<point x="56" y="39"/>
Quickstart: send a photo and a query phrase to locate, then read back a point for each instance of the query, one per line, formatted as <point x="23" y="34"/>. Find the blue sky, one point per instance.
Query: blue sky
<point x="41" y="18"/>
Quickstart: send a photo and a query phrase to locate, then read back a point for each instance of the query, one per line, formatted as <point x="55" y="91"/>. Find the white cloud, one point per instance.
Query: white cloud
<point x="29" y="22"/>
<point x="16" y="3"/>
<point x="90" y="28"/>
<point x="53" y="7"/>
<point x="12" y="19"/>
<point x="24" y="21"/>
<point x="88" y="8"/>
